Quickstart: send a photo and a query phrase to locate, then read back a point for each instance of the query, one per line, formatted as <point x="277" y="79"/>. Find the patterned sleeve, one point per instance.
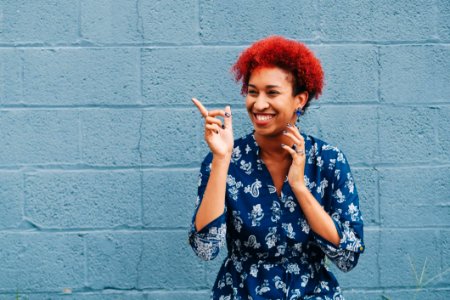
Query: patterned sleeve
<point x="344" y="210"/>
<point x="207" y="242"/>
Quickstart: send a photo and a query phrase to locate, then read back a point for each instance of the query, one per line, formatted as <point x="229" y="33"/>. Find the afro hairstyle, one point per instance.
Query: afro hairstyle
<point x="289" y="55"/>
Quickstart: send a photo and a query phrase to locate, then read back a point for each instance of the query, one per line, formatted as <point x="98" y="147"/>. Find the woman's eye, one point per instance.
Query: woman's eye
<point x="273" y="92"/>
<point x="251" y="92"/>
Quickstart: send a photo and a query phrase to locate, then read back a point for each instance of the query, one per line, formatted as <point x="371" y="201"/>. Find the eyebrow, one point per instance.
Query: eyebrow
<point x="267" y="86"/>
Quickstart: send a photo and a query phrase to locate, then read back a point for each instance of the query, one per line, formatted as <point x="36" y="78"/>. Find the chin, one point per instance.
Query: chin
<point x="267" y="132"/>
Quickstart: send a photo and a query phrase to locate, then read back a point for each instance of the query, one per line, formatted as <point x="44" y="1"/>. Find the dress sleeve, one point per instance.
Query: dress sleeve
<point x="343" y="207"/>
<point x="207" y="242"/>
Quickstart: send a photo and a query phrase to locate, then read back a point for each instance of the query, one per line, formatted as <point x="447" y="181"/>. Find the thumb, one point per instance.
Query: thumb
<point x="228" y="120"/>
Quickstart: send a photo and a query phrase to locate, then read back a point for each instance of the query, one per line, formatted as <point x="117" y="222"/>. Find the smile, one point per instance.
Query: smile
<point x="263" y="117"/>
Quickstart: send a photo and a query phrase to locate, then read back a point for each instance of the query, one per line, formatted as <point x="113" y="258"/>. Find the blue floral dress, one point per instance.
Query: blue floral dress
<point x="272" y="252"/>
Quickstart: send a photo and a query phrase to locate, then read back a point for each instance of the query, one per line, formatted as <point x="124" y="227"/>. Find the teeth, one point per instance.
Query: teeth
<point x="264" y="117"/>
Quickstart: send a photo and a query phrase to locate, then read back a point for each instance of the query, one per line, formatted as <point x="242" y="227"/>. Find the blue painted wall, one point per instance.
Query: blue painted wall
<point x="100" y="145"/>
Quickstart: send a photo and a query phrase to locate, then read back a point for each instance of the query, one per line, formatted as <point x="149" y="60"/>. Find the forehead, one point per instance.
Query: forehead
<point x="270" y="76"/>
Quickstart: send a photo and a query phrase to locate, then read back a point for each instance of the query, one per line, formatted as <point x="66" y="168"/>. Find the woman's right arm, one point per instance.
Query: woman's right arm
<point x="208" y="229"/>
<point x="213" y="202"/>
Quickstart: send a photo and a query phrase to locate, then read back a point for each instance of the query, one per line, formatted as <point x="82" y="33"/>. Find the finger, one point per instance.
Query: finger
<point x="295" y="139"/>
<point x="200" y="107"/>
<point x="288" y="149"/>
<point x="295" y="131"/>
<point x="216" y="112"/>
<point x="211" y="120"/>
<point x="293" y="152"/>
<point x="213" y="128"/>
<point x="228" y="120"/>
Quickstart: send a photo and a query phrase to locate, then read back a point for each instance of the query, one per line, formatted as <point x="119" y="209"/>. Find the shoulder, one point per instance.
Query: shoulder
<point x="327" y="154"/>
<point x="322" y="147"/>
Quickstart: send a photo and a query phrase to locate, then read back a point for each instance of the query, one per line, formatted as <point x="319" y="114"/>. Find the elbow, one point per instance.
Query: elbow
<point x="205" y="249"/>
<point x="206" y="252"/>
<point x="207" y="256"/>
<point x="347" y="262"/>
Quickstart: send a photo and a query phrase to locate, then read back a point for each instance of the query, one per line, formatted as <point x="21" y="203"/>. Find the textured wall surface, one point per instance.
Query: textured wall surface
<point x="100" y="145"/>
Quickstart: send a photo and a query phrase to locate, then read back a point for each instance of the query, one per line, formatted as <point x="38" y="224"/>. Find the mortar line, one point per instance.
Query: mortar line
<point x="240" y="45"/>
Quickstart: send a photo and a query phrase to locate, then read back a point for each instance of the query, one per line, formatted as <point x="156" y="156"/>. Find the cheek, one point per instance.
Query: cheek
<point x="248" y="102"/>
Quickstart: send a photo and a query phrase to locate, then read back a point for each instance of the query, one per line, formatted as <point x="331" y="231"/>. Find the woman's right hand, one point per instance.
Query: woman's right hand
<point x="218" y="136"/>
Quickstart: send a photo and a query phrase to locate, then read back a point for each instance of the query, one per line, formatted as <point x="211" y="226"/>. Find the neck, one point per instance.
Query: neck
<point x="270" y="147"/>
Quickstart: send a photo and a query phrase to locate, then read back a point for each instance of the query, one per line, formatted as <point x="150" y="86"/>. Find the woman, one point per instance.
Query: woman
<point x="281" y="200"/>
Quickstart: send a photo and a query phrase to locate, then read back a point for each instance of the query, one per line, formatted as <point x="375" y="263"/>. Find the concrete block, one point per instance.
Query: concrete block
<point x="404" y="250"/>
<point x="169" y="197"/>
<point x="37" y="261"/>
<point x="11" y="199"/>
<point x="353" y="129"/>
<point x="40" y="21"/>
<point x="38" y="137"/>
<point x="168" y="261"/>
<point x="83" y="199"/>
<point x="171" y="136"/>
<point x="443" y="20"/>
<point x="110" y="137"/>
<point x="365" y="274"/>
<point x="109" y="21"/>
<point x="376" y="20"/>
<point x="407" y="135"/>
<point x="419" y="293"/>
<point x="415" y="196"/>
<point x="415" y="73"/>
<point x="182" y="295"/>
<point x="240" y="22"/>
<point x="83" y="76"/>
<point x="173" y="76"/>
<point x="366" y="182"/>
<point x="75" y="295"/>
<point x="443" y="137"/>
<point x="169" y="22"/>
<point x="351" y="73"/>
<point x="443" y="278"/>
<point x="113" y="259"/>
<point x="10" y="76"/>
<point x="358" y="294"/>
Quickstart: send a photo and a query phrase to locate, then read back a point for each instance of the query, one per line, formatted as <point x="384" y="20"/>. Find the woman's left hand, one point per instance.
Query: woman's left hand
<point x="296" y="175"/>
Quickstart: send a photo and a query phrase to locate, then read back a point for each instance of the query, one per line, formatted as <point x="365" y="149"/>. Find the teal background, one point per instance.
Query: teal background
<point x="100" y="145"/>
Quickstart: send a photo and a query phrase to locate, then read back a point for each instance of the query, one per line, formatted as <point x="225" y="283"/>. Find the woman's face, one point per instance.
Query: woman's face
<point x="270" y="103"/>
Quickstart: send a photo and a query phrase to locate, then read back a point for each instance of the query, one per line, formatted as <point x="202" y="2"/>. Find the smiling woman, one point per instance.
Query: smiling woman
<point x="280" y="199"/>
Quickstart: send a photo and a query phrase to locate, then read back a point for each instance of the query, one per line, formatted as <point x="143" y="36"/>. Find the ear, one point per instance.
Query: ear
<point x="301" y="99"/>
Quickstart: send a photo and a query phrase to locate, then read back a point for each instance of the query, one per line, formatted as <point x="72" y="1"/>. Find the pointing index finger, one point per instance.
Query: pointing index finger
<point x="200" y="107"/>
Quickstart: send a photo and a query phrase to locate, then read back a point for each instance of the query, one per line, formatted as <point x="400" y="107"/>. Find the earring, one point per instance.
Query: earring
<point x="298" y="112"/>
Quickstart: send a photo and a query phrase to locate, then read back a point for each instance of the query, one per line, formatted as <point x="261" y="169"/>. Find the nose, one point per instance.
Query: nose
<point x="261" y="103"/>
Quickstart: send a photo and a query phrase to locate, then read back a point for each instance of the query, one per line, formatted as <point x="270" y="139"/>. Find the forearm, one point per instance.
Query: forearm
<point x="213" y="202"/>
<point x="318" y="219"/>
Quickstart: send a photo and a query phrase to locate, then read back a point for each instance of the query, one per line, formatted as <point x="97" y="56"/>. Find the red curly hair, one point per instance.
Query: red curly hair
<point x="290" y="55"/>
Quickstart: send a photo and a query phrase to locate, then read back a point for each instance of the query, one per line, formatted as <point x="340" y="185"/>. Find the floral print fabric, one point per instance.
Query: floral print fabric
<point x="272" y="252"/>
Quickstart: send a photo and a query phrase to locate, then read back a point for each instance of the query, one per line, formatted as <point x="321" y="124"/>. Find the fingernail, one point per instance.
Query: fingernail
<point x="227" y="114"/>
<point x="223" y="126"/>
<point x="284" y="131"/>
<point x="282" y="145"/>
<point x="289" y="125"/>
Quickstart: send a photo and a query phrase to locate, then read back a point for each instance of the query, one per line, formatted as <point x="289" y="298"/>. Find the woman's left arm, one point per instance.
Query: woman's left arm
<point x="338" y="230"/>
<point x="318" y="219"/>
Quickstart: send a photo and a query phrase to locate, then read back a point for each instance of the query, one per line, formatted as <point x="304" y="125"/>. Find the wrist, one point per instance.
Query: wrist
<point x="300" y="190"/>
<point x="221" y="159"/>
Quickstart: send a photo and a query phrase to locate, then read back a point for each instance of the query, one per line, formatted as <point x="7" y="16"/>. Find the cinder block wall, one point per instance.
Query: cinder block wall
<point x="100" y="145"/>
